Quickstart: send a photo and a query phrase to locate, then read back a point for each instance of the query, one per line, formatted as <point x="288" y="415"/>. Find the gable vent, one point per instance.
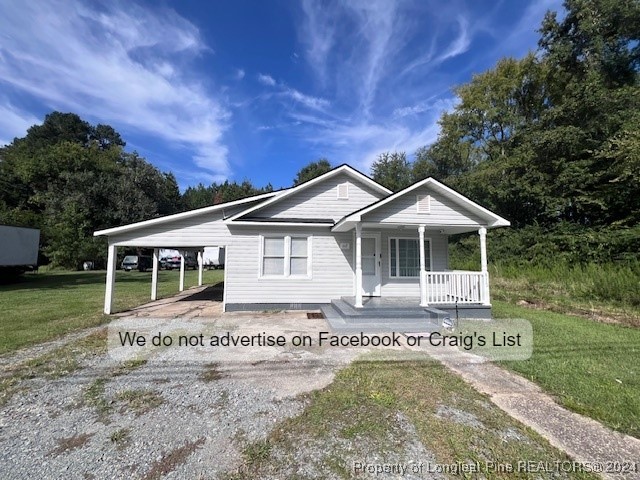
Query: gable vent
<point x="423" y="203"/>
<point x="343" y="191"/>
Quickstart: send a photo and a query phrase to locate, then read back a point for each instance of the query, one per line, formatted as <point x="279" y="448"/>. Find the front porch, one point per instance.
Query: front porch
<point x="408" y="264"/>
<point x="399" y="314"/>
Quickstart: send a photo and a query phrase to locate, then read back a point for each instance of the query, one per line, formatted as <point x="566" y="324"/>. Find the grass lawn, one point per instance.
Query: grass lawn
<point x="381" y="413"/>
<point x="590" y="367"/>
<point x="45" y="305"/>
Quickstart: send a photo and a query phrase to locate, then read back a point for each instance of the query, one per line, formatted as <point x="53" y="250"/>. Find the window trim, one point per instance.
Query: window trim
<point x="286" y="274"/>
<point x="428" y="264"/>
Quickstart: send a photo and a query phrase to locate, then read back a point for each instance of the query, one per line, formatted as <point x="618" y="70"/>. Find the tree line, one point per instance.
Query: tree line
<point x="550" y="141"/>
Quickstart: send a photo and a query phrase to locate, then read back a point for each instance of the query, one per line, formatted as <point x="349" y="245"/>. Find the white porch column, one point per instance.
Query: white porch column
<point x="423" y="271"/>
<point x="154" y="274"/>
<point x="111" y="279"/>
<point x="486" y="300"/>
<point x="181" y="288"/>
<point x="358" y="265"/>
<point x="483" y="248"/>
<point x="200" y="267"/>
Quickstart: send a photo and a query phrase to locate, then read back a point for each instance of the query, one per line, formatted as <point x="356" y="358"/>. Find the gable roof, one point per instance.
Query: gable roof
<point x="344" y="168"/>
<point x="187" y="214"/>
<point x="493" y="220"/>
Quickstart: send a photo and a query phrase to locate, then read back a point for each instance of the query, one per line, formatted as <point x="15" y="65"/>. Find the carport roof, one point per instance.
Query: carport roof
<point x="188" y="214"/>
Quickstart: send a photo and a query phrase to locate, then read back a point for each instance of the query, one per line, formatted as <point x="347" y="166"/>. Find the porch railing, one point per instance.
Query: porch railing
<point x="457" y="286"/>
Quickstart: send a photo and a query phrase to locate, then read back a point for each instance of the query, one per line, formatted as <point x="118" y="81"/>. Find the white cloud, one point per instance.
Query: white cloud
<point x="438" y="107"/>
<point x="309" y="101"/>
<point x="267" y="80"/>
<point x="459" y="45"/>
<point x="315" y="103"/>
<point x="116" y="63"/>
<point x="317" y="34"/>
<point x="359" y="145"/>
<point x="240" y="73"/>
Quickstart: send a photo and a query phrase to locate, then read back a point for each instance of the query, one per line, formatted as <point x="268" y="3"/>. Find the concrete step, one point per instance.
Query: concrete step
<point x="388" y="314"/>
<point x="339" y="324"/>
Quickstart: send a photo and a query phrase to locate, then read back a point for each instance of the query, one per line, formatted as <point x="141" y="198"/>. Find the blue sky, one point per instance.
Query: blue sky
<point x="215" y="90"/>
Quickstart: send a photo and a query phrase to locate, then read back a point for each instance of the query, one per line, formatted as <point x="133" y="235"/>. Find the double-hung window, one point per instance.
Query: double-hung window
<point x="404" y="257"/>
<point x="285" y="256"/>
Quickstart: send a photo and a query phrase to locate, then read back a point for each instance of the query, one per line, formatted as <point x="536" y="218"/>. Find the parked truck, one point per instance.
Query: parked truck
<point x="18" y="249"/>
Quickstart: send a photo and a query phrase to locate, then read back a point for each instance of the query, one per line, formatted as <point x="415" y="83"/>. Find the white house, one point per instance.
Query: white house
<point x="340" y="235"/>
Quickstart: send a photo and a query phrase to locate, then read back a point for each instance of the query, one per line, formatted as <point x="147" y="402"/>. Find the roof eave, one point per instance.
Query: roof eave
<point x="176" y="216"/>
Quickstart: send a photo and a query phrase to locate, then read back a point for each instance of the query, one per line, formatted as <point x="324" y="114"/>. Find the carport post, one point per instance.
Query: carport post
<point x="200" y="267"/>
<point x="111" y="279"/>
<point x="181" y="288"/>
<point x="154" y="275"/>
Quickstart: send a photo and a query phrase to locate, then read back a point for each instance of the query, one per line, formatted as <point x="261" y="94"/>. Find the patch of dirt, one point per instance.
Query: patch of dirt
<point x="458" y="416"/>
<point x="70" y="443"/>
<point x="171" y="460"/>
<point x="315" y="315"/>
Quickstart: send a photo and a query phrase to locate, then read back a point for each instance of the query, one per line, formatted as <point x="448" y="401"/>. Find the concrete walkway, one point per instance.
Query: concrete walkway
<point x="582" y="438"/>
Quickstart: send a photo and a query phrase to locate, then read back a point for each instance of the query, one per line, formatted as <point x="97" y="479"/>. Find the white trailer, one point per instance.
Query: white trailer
<point x="213" y="257"/>
<point x="19" y="248"/>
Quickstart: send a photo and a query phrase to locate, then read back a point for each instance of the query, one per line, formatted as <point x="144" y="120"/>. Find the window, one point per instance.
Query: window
<point x="423" y="203"/>
<point x="343" y="191"/>
<point x="404" y="257"/>
<point x="285" y="256"/>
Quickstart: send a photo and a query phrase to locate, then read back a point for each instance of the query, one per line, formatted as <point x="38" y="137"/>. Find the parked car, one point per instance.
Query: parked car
<point x="171" y="263"/>
<point x="140" y="262"/>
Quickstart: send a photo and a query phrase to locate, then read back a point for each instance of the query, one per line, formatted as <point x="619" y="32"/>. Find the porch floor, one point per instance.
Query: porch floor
<point x="399" y="314"/>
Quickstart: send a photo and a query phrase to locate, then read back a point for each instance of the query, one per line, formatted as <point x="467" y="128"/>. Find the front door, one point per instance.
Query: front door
<point x="371" y="268"/>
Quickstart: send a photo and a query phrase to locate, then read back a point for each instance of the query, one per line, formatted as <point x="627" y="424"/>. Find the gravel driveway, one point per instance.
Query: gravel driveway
<point x="154" y="419"/>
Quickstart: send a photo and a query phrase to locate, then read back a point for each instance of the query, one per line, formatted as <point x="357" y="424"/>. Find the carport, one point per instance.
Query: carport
<point x="112" y="266"/>
<point x="190" y="231"/>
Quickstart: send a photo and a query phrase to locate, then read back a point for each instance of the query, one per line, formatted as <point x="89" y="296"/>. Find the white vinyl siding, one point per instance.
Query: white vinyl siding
<point x="204" y="230"/>
<point x="330" y="275"/>
<point x="322" y="200"/>
<point x="404" y="257"/>
<point x="285" y="256"/>
<point x="405" y="210"/>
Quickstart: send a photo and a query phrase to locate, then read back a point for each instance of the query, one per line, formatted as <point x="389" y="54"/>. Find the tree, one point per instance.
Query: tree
<point x="312" y="170"/>
<point x="69" y="178"/>
<point x="541" y="140"/>
<point x="392" y="170"/>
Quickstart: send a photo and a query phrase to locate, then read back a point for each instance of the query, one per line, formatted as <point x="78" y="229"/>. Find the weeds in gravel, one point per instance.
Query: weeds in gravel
<point x="120" y="437"/>
<point x="129" y="366"/>
<point x="211" y="373"/>
<point x="95" y="397"/>
<point x="171" y="460"/>
<point x="71" y="443"/>
<point x="257" y="452"/>
<point x="139" y="401"/>
<point x="56" y="364"/>
<point x="9" y="386"/>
